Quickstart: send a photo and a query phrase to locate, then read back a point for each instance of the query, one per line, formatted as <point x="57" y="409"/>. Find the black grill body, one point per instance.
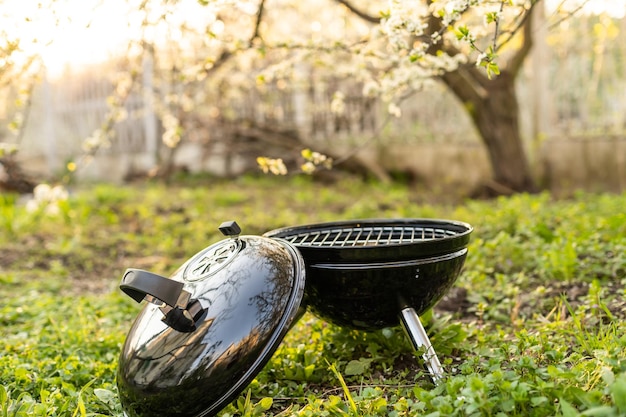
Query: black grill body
<point x="361" y="273"/>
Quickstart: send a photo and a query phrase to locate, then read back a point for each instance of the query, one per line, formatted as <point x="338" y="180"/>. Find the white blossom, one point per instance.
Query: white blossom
<point x="338" y="104"/>
<point x="480" y="58"/>
<point x="270" y="165"/>
<point x="47" y="198"/>
<point x="172" y="130"/>
<point x="394" y="110"/>
<point x="98" y="139"/>
<point x="371" y="88"/>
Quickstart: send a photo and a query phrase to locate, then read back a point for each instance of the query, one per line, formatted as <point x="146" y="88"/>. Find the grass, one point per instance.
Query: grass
<point x="533" y="327"/>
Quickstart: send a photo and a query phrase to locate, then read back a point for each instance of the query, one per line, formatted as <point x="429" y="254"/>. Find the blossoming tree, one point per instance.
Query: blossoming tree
<point x="475" y="47"/>
<point x="392" y="48"/>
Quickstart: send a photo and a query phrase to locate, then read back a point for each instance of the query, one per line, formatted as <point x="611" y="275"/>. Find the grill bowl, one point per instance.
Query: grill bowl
<point x="362" y="273"/>
<point x="370" y="297"/>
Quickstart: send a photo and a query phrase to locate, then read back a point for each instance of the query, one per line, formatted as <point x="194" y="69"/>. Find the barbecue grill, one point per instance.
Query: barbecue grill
<point x="366" y="274"/>
<point x="211" y="327"/>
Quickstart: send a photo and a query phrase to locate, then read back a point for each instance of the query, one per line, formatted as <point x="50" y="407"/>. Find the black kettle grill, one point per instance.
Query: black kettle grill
<point x="209" y="329"/>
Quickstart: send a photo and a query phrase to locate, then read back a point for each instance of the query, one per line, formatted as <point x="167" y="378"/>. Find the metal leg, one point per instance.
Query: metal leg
<point x="419" y="339"/>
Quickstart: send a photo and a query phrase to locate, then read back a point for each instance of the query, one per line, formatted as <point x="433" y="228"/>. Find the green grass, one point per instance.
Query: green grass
<point x="538" y="330"/>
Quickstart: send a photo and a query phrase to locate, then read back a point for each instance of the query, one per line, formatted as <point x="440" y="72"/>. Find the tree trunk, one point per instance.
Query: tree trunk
<point x="13" y="178"/>
<point x="496" y="116"/>
<point x="493" y="107"/>
<point x="492" y="104"/>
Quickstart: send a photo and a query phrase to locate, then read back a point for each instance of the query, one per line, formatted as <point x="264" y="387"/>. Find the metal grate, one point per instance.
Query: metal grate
<point x="366" y="236"/>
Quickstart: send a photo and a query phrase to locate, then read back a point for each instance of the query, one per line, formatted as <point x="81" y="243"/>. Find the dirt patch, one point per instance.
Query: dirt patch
<point x="574" y="294"/>
<point x="8" y="257"/>
<point x="455" y="301"/>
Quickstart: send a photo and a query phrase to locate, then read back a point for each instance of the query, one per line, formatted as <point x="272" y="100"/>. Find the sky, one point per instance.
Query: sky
<point x="616" y="8"/>
<point x="76" y="36"/>
<point x="71" y="36"/>
<point x="80" y="32"/>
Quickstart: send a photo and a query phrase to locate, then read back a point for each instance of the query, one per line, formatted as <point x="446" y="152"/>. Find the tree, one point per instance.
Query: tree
<point x="488" y="96"/>
<point x="475" y="47"/>
<point x="464" y="44"/>
<point x="493" y="107"/>
<point x="19" y="72"/>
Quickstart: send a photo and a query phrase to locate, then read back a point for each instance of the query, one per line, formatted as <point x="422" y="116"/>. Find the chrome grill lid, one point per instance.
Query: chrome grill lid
<point x="210" y="328"/>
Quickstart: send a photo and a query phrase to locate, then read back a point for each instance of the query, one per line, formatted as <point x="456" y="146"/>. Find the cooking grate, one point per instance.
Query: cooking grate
<point x="366" y="236"/>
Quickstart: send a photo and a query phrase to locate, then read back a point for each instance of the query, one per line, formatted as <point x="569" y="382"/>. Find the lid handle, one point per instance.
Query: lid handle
<point x="138" y="284"/>
<point x="230" y="228"/>
<point x="180" y="312"/>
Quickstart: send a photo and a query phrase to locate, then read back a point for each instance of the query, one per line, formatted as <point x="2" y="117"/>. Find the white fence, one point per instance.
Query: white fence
<point x="581" y="100"/>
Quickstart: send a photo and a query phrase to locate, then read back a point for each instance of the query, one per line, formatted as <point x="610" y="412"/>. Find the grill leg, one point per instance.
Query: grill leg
<point x="419" y="339"/>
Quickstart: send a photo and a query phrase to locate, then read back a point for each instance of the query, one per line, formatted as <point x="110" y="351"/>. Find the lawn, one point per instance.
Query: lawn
<point x="533" y="327"/>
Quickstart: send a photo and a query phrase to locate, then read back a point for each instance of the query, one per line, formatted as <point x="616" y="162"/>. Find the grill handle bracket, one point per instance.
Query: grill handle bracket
<point x="179" y="310"/>
<point x="139" y="285"/>
<point x="419" y="339"/>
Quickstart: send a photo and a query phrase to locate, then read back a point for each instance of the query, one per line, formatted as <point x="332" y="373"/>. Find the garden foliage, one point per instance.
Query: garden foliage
<point x="533" y="327"/>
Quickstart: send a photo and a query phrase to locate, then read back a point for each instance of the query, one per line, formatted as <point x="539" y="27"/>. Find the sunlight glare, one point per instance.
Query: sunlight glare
<point x="70" y="34"/>
<point x="614" y="8"/>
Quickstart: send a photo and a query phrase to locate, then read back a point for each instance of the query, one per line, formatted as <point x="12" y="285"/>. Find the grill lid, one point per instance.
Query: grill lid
<point x="210" y="328"/>
<point x="376" y="239"/>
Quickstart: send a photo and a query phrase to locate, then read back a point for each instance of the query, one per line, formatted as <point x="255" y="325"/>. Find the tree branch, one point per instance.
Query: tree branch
<point x="467" y="82"/>
<point x="524" y="17"/>
<point x="497" y="23"/>
<point x="227" y="54"/>
<point x="462" y="83"/>
<point x="569" y="14"/>
<point x="367" y="17"/>
<point x="257" y="25"/>
<point x="514" y="64"/>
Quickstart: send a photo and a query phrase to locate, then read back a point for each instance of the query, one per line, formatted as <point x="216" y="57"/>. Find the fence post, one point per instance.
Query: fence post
<point x="49" y="128"/>
<point x="541" y="100"/>
<point x="301" y="102"/>
<point x="149" y="118"/>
